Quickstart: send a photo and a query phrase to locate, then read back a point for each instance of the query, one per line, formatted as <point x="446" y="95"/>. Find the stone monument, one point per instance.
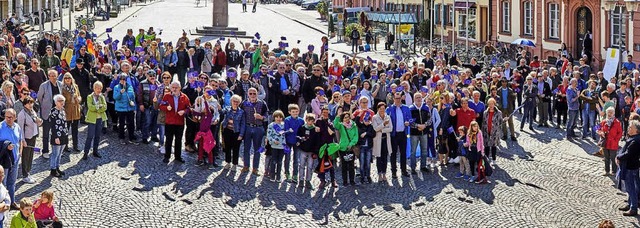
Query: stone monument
<point x="220" y="23"/>
<point x="220" y="13"/>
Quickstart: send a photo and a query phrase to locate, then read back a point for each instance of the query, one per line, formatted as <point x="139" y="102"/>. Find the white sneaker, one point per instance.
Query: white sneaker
<point x="456" y="160"/>
<point x="46" y="155"/>
<point x="493" y="162"/>
<point x="28" y="180"/>
<point x="228" y="166"/>
<point x="161" y="149"/>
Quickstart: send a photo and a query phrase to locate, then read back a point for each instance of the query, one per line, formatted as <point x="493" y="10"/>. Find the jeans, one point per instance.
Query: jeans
<point x="631" y="182"/>
<point x="252" y="136"/>
<point x="365" y="162"/>
<point x="54" y="159"/>
<point x="305" y="166"/>
<point x="10" y="177"/>
<point x="571" y="123"/>
<point x="430" y="152"/>
<point x="354" y="45"/>
<point x="150" y="124"/>
<point x="161" y="134"/>
<point x="126" y="118"/>
<point x="276" y="163"/>
<point x="94" y="131"/>
<point x="46" y="132"/>
<point x="415" y="139"/>
<point x="588" y="120"/>
<point x="287" y="160"/>
<point x="528" y="115"/>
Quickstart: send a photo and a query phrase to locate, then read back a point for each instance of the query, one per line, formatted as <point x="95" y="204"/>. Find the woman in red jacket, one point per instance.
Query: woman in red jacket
<point x="610" y="132"/>
<point x="336" y="70"/>
<point x="220" y="59"/>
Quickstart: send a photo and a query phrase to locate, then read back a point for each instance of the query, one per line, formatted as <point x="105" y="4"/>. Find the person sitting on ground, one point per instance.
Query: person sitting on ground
<point x="43" y="208"/>
<point x="25" y="218"/>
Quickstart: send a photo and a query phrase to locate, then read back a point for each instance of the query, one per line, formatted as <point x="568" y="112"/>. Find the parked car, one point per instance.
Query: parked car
<point x="297" y="2"/>
<point x="310" y="4"/>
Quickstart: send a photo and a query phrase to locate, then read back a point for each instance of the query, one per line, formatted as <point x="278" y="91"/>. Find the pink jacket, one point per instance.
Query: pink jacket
<point x="480" y="142"/>
<point x="209" y="142"/>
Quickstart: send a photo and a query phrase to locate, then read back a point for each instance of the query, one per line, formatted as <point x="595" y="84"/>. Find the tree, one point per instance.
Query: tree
<point x="423" y="30"/>
<point x="331" y="25"/>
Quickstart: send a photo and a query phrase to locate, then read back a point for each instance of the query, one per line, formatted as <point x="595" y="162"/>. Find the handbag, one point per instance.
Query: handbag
<point x="488" y="170"/>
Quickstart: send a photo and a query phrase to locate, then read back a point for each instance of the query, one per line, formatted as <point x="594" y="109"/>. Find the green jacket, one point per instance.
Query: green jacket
<point x="93" y="109"/>
<point x="45" y="64"/>
<point x="348" y="136"/>
<point x="19" y="222"/>
<point x="256" y="61"/>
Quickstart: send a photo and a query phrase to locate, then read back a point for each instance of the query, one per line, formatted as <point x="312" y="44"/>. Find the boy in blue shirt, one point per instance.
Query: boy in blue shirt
<point x="291" y="125"/>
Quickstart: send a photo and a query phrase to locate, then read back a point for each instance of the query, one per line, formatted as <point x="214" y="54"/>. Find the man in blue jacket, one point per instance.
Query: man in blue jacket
<point x="573" y="106"/>
<point x="400" y="116"/>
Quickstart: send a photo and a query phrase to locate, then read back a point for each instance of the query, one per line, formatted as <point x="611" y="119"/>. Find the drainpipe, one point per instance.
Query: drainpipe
<point x="490" y="16"/>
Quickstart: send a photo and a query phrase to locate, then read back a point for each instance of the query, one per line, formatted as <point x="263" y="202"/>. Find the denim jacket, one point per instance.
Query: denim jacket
<point x="237" y="117"/>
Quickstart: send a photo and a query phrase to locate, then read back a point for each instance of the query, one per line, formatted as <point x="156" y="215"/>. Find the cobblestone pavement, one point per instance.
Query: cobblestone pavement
<point x="541" y="181"/>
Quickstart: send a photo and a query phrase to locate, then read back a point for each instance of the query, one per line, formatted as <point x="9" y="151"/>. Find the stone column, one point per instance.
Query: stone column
<point x="220" y="13"/>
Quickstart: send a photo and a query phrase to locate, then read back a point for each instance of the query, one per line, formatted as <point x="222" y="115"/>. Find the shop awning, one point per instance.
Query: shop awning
<point x="460" y="5"/>
<point x="392" y="18"/>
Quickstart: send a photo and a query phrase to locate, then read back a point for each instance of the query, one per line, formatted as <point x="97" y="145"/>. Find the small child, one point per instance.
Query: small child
<point x="367" y="133"/>
<point x="24" y="218"/>
<point x="291" y="125"/>
<point x="465" y="170"/>
<point x="308" y="142"/>
<point x="275" y="137"/>
<point x="475" y="143"/>
<point x="43" y="208"/>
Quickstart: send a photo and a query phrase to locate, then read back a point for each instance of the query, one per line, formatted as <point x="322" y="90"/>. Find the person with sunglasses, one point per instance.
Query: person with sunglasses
<point x="147" y="92"/>
<point x="255" y="112"/>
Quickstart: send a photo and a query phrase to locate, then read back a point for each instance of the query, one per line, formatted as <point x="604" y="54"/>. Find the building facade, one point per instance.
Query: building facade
<point x="552" y="23"/>
<point x="462" y="20"/>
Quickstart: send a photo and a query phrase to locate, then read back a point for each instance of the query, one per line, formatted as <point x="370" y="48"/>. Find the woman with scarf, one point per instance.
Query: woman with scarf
<point x="382" y="141"/>
<point x="207" y="63"/>
<point x="72" y="107"/>
<point x="610" y="132"/>
<point x="29" y="122"/>
<point x="492" y="128"/>
<point x="206" y="111"/>
<point x="348" y="140"/>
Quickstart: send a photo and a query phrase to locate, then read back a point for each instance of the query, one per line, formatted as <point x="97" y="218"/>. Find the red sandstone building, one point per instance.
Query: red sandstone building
<point x="549" y="23"/>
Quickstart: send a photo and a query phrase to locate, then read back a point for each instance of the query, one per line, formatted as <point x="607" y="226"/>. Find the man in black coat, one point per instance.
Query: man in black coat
<point x="628" y="161"/>
<point x="84" y="80"/>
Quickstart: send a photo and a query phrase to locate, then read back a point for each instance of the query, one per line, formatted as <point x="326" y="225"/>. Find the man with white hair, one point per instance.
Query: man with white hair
<point x="176" y="106"/>
<point x="11" y="134"/>
<point x="573" y="106"/>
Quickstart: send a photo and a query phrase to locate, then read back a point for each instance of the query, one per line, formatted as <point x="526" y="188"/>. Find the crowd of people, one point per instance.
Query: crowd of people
<point x="292" y="109"/>
<point x="209" y="95"/>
